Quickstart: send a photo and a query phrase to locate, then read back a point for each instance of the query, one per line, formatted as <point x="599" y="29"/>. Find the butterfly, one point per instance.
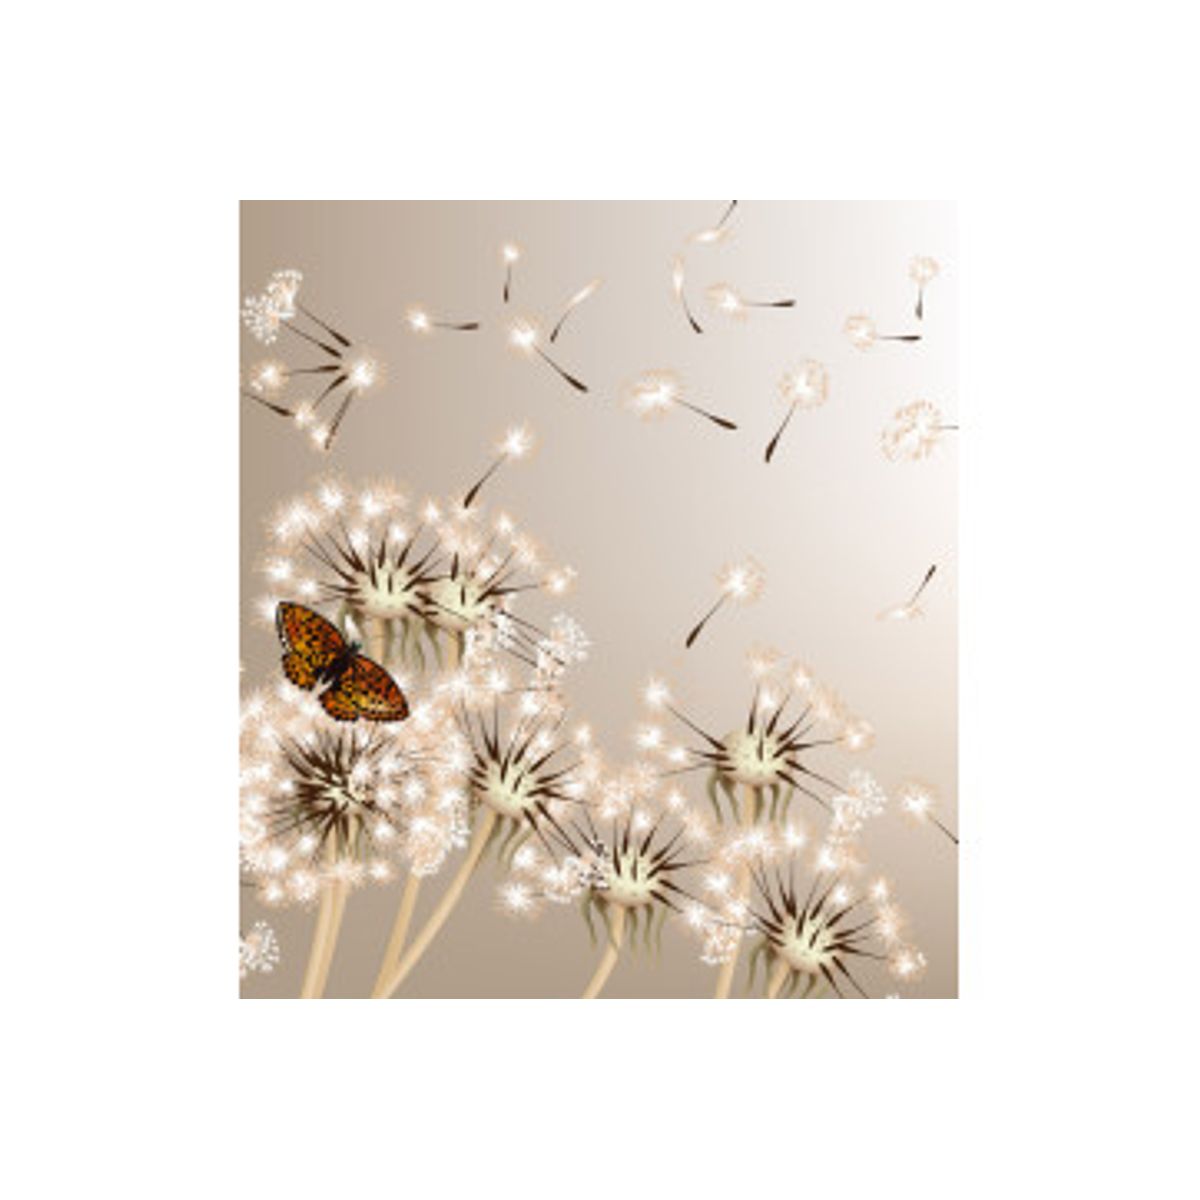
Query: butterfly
<point x="315" y="653"/>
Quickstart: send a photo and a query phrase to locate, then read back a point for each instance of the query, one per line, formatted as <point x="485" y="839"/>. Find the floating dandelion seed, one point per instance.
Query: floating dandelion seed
<point x="706" y="237"/>
<point x="909" y="610"/>
<point x="742" y="582"/>
<point x="510" y="252"/>
<point x="258" y="950"/>
<point x="860" y="329"/>
<point x="419" y="321"/>
<point x="523" y="336"/>
<point x="922" y="270"/>
<point x="348" y="370"/>
<point x="914" y="431"/>
<point x="584" y="293"/>
<point x="728" y="301"/>
<point x="805" y="387"/>
<point x="917" y="801"/>
<point x="517" y="443"/>
<point x="655" y="393"/>
<point x="677" y="286"/>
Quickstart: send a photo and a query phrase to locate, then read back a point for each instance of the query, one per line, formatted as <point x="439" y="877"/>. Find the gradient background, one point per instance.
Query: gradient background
<point x="647" y="512"/>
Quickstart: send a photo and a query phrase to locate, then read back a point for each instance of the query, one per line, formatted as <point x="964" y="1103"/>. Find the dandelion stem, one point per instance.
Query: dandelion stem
<point x="704" y="620"/>
<point x="725" y="978"/>
<point x="779" y="433"/>
<point x="577" y="384"/>
<point x="452" y="895"/>
<point x="404" y="914"/>
<point x="778" y="974"/>
<point x="943" y="828"/>
<point x="469" y="498"/>
<point x="701" y="412"/>
<point x="612" y="950"/>
<point x="329" y="922"/>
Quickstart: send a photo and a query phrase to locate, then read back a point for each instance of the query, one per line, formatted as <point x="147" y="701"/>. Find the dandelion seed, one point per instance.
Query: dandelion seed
<point x="917" y="801"/>
<point x="909" y="610"/>
<point x="517" y="443"/>
<point x="419" y="321"/>
<point x="258" y="950"/>
<point x="677" y="287"/>
<point x="654" y="393"/>
<point x="861" y="331"/>
<point x="914" y="431"/>
<point x="510" y="252"/>
<point x="717" y="232"/>
<point x="805" y="387"/>
<point x="584" y="293"/>
<point x="523" y="337"/>
<point x="729" y="302"/>
<point x="922" y="271"/>
<point x="742" y="582"/>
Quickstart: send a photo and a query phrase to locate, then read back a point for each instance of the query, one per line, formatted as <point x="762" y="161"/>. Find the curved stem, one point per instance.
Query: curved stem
<point x="404" y="914"/>
<point x="778" y="975"/>
<point x="616" y="932"/>
<point x="437" y="918"/>
<point x="725" y="978"/>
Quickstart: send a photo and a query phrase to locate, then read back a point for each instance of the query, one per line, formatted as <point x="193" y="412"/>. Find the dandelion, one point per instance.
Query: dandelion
<point x="742" y="582"/>
<point x="523" y="337"/>
<point x="258" y="950"/>
<point x="914" y="431"/>
<point x="677" y="287"/>
<point x="809" y="945"/>
<point x="717" y="232"/>
<point x="917" y="801"/>
<point x="909" y="610"/>
<point x="805" y="387"/>
<point x="861" y="331"/>
<point x="420" y="581"/>
<point x="728" y="301"/>
<point x="517" y="443"/>
<point x="347" y="370"/>
<point x="586" y="292"/>
<point x="510" y="252"/>
<point x="419" y="321"/>
<point x="325" y="809"/>
<point x="922" y="271"/>
<point x="518" y="791"/>
<point x="655" y="393"/>
<point x="753" y="774"/>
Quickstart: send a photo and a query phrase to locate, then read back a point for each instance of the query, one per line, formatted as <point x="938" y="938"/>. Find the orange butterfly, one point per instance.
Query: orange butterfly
<point x="316" y="653"/>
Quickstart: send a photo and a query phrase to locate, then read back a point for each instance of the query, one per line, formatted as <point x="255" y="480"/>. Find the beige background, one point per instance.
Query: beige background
<point x="648" y="512"/>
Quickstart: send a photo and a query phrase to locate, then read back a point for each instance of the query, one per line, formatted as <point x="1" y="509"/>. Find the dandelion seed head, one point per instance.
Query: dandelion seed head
<point x="913" y="432"/>
<point x="807" y="386"/>
<point x="860" y="329"/>
<point x="742" y="581"/>
<point x="923" y="270"/>
<point x="653" y="393"/>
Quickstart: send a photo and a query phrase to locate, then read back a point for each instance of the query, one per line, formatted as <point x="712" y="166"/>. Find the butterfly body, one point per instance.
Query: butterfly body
<point x="316" y="655"/>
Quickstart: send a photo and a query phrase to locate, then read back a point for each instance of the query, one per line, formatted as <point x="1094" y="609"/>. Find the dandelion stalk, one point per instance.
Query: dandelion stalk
<point x="412" y="889"/>
<point x="698" y="628"/>
<point x="779" y="973"/>
<point x="404" y="914"/>
<point x="725" y="978"/>
<point x="325" y="935"/>
<point x="612" y="951"/>
<point x="439" y="916"/>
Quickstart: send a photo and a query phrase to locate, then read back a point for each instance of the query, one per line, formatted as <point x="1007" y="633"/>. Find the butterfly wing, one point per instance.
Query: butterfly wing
<point x="375" y="694"/>
<point x="338" y="701"/>
<point x="310" y="641"/>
